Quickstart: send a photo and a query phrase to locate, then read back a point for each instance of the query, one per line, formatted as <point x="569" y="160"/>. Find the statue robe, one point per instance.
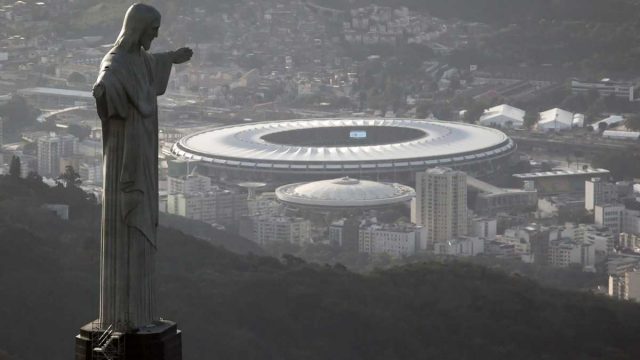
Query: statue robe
<point x="126" y="97"/>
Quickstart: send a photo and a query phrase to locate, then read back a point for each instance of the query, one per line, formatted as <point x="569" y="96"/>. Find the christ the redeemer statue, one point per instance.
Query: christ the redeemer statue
<point x="126" y="91"/>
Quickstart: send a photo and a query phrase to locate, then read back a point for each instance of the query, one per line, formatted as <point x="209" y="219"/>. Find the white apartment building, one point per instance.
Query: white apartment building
<point x="213" y="207"/>
<point x="269" y="229"/>
<point x="519" y="238"/>
<point x="441" y="204"/>
<point x="565" y="252"/>
<point x="462" y="246"/>
<point x="629" y="241"/>
<point x="188" y="184"/>
<point x="598" y="192"/>
<point x="395" y="240"/>
<point x="264" y="204"/>
<point x="602" y="238"/>
<point x="486" y="228"/>
<point x="51" y="148"/>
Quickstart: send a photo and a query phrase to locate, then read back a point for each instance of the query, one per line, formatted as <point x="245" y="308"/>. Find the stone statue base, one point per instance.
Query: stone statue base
<point x="159" y="341"/>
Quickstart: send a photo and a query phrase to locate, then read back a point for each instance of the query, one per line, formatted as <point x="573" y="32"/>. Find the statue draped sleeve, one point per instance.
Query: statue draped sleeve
<point x="126" y="96"/>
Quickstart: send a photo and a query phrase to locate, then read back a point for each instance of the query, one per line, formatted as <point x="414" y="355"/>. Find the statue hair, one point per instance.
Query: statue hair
<point x="136" y="20"/>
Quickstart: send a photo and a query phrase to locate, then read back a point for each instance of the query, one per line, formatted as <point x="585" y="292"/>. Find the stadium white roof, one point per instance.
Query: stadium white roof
<point x="443" y="144"/>
<point x="503" y="115"/>
<point x="344" y="192"/>
<point x="555" y="119"/>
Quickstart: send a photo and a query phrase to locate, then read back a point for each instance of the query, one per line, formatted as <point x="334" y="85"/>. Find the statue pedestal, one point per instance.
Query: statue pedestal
<point x="159" y="341"/>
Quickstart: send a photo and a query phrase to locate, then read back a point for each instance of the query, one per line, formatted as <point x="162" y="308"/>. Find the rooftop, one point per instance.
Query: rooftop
<point x="344" y="192"/>
<point x="564" y="172"/>
<point x="491" y="189"/>
<point x="55" y="91"/>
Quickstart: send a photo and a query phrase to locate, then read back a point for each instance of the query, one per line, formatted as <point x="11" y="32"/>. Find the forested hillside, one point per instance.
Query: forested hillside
<point x="234" y="306"/>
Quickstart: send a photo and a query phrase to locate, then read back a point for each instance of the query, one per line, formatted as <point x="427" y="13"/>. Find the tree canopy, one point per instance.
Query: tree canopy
<point x="254" y="307"/>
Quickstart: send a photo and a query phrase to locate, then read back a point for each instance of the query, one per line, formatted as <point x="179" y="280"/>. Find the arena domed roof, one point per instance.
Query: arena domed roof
<point x="344" y="192"/>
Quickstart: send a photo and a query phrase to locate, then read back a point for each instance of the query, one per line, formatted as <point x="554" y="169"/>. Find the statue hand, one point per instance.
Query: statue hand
<point x="98" y="90"/>
<point x="181" y="55"/>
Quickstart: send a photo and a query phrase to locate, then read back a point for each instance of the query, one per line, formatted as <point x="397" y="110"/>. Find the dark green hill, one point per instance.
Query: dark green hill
<point x="234" y="306"/>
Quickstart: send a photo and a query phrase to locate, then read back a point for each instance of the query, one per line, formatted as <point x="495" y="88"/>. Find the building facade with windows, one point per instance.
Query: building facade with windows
<point x="51" y="149"/>
<point x="441" y="204"/>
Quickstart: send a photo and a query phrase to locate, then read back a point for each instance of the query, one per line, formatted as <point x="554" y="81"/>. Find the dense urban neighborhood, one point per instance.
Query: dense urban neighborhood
<point x="355" y="135"/>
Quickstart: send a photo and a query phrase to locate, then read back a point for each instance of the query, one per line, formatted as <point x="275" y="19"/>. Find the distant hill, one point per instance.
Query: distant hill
<point x="508" y="11"/>
<point x="234" y="306"/>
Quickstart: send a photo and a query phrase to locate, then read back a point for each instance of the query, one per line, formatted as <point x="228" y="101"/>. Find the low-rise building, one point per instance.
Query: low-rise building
<point x="629" y="241"/>
<point x="490" y="200"/>
<point x="606" y="87"/>
<point x="392" y="239"/>
<point x="503" y="116"/>
<point x="555" y="120"/>
<point x="52" y="98"/>
<point x="213" y="207"/>
<point x="601" y="237"/>
<point x="265" y="230"/>
<point x="188" y="184"/>
<point x="565" y="252"/>
<point x="624" y="278"/>
<point x="485" y="228"/>
<point x="462" y="246"/>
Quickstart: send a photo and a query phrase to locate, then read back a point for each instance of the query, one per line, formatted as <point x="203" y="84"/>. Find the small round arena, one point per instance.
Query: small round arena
<point x="344" y="193"/>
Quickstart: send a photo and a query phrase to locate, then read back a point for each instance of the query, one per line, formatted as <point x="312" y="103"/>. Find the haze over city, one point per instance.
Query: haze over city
<point x="319" y="179"/>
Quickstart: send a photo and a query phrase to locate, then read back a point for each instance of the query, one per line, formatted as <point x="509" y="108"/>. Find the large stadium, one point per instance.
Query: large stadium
<point x="311" y="149"/>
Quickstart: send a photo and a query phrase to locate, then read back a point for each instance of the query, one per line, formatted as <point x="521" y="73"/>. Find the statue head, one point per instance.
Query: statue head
<point x="139" y="28"/>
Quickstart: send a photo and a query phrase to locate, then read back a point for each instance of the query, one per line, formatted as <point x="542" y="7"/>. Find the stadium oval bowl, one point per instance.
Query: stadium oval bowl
<point x="346" y="146"/>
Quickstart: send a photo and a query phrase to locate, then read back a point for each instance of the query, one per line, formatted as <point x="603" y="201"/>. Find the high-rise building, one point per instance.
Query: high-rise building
<point x="610" y="216"/>
<point x="441" y="204"/>
<point x="598" y="192"/>
<point x="50" y="149"/>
